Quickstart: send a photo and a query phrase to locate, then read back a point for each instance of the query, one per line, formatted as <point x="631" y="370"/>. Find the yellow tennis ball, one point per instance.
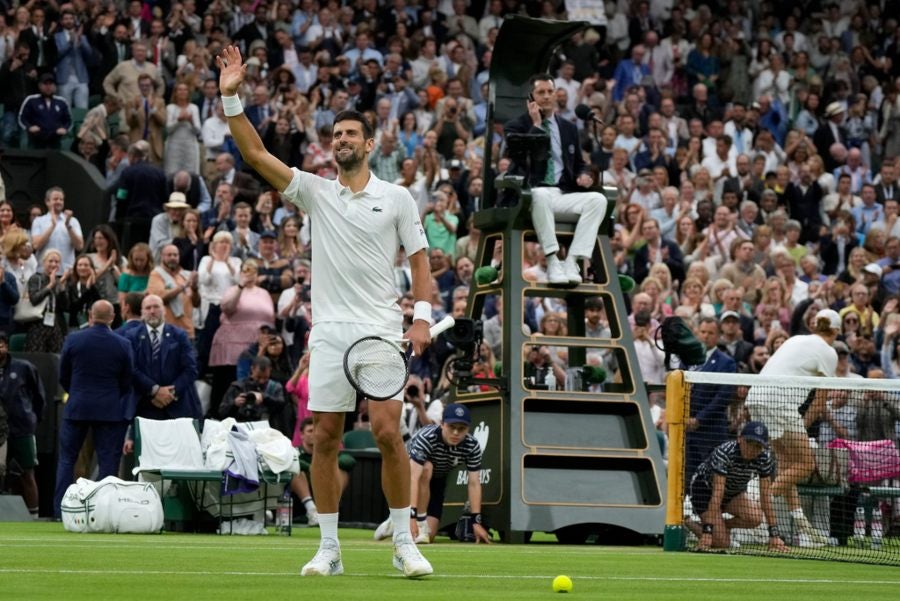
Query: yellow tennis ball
<point x="562" y="584"/>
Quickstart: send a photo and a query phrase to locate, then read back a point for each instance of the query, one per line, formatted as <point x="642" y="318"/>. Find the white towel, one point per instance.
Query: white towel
<point x="170" y="444"/>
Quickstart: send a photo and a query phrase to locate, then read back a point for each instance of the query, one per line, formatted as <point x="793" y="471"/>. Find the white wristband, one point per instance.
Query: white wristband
<point x="422" y="310"/>
<point x="232" y="105"/>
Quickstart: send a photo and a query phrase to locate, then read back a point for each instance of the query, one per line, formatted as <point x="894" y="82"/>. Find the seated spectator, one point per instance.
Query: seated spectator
<point x="137" y="270"/>
<point x="300" y="484"/>
<point x="191" y="245"/>
<point x="562" y="174"/>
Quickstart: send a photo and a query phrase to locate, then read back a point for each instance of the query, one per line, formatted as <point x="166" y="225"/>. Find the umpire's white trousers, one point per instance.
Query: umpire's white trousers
<point x="546" y="203"/>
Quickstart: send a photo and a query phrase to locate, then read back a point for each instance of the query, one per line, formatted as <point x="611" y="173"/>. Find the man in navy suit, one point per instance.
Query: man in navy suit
<point x="96" y="370"/>
<point x="554" y="183"/>
<point x="657" y="250"/>
<point x="707" y="427"/>
<point x="163" y="378"/>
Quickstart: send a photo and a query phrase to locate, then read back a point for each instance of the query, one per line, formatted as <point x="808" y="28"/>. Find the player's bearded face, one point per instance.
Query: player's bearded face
<point x="349" y="154"/>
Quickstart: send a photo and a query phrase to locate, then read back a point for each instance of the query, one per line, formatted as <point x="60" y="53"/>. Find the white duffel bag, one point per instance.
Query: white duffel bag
<point x="112" y="505"/>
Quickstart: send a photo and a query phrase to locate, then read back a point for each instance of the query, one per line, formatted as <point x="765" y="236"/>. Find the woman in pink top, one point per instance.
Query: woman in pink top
<point x="298" y="387"/>
<point x="245" y="308"/>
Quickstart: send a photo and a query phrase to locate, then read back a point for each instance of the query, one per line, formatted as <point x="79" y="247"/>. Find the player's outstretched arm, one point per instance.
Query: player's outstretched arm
<point x="231" y="77"/>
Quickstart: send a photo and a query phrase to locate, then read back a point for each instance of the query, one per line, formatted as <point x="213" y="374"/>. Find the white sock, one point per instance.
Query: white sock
<point x="309" y="504"/>
<point x="797" y="514"/>
<point x="328" y="525"/>
<point x="400" y="519"/>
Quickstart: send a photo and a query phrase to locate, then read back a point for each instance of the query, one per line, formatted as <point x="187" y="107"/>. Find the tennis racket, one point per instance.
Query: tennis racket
<point x="378" y="368"/>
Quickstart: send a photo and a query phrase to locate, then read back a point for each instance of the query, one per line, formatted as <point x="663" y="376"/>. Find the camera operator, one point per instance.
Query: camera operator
<point x="419" y="409"/>
<point x="257" y="398"/>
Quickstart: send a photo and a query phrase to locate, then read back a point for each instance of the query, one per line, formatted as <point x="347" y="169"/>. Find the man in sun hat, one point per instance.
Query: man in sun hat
<point x="166" y="226"/>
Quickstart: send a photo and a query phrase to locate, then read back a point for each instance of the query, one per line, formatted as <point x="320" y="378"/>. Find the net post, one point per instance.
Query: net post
<point x="676" y="402"/>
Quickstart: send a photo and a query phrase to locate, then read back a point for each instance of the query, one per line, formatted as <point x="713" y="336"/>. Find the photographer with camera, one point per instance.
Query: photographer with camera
<point x="419" y="409"/>
<point x="257" y="398"/>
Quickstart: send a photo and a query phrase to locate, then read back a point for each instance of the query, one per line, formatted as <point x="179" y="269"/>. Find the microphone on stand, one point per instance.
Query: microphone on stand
<point x="584" y="112"/>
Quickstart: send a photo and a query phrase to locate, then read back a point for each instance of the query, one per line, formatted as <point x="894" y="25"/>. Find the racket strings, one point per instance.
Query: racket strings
<point x="377" y="367"/>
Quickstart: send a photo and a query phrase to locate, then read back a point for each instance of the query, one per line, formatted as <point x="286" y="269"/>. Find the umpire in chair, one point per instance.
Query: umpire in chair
<point x="558" y="181"/>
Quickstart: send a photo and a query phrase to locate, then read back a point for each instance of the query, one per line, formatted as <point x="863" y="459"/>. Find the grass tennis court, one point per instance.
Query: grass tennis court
<point x="42" y="561"/>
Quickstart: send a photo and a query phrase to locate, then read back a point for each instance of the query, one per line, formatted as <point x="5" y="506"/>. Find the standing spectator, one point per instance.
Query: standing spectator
<point x="245" y="242"/>
<point x="182" y="128"/>
<point x="58" y="229"/>
<point x="176" y="288"/>
<point x="9" y="296"/>
<point x="22" y="397"/>
<point x="245" y="307"/>
<point x="140" y="194"/>
<point x="145" y="116"/>
<point x="123" y="80"/>
<point x="106" y="261"/>
<point x="630" y="72"/>
<point x="440" y="226"/>
<point x="165" y="366"/>
<point x="246" y="188"/>
<point x="96" y="369"/>
<point x="217" y="272"/>
<point x="45" y="116"/>
<point x="75" y="53"/>
<point x="828" y="134"/>
<point x="191" y="246"/>
<point x="39" y="37"/>
<point x="81" y="292"/>
<point x="18" y="81"/>
<point x="47" y="289"/>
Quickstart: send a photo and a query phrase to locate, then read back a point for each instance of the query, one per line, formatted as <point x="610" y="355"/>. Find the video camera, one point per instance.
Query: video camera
<point x="466" y="336"/>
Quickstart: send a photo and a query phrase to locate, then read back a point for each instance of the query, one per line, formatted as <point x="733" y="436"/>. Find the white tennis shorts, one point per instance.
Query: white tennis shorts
<point x="329" y="389"/>
<point x="779" y="419"/>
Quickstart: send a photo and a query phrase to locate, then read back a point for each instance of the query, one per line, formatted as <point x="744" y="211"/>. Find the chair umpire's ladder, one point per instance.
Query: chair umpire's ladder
<point x="570" y="462"/>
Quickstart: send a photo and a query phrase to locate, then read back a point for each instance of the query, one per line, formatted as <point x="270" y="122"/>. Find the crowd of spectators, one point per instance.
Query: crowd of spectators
<point x="754" y="147"/>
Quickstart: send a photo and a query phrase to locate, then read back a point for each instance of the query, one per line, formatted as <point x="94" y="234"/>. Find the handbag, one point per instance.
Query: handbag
<point x="26" y="311"/>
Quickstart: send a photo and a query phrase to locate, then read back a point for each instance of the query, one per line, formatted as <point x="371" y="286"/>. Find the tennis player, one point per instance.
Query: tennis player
<point x="361" y="222"/>
<point x="811" y="355"/>
<point x="720" y="485"/>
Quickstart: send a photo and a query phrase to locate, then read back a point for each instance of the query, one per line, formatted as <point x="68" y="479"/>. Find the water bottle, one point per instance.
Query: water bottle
<point x="284" y="513"/>
<point x="877" y="528"/>
<point x="859" y="525"/>
<point x="550" y="380"/>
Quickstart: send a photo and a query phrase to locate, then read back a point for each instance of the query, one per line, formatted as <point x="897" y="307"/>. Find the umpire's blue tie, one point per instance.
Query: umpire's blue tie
<point x="154" y="345"/>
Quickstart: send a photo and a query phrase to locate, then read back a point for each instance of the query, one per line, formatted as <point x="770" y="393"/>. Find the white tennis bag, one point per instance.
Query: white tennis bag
<point x="112" y="505"/>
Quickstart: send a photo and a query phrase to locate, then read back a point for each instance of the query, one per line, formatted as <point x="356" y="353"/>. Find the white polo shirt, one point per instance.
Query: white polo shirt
<point x="807" y="355"/>
<point x="355" y="241"/>
<point x="59" y="239"/>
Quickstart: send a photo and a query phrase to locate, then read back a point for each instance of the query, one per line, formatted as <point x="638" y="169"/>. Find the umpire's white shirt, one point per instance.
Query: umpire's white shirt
<point x="355" y="239"/>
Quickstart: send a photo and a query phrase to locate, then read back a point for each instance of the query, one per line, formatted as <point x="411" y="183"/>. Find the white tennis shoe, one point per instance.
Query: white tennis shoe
<point x="572" y="270"/>
<point x="805" y="528"/>
<point x="384" y="530"/>
<point x="424" y="537"/>
<point x="326" y="562"/>
<point x="408" y="559"/>
<point x="556" y="272"/>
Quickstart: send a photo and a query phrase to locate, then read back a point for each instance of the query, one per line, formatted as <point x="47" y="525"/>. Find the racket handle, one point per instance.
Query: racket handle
<point x="442" y="326"/>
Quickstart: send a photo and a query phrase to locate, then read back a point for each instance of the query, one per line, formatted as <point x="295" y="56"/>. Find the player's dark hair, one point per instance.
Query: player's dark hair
<point x="351" y="115"/>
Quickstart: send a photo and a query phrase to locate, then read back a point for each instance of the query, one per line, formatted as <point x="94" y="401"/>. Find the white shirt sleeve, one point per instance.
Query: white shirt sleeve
<point x="409" y="226"/>
<point x="298" y="190"/>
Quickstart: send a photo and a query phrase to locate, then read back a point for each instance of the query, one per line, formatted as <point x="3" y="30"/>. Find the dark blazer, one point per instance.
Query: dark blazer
<point x="246" y="187"/>
<point x="193" y="194"/>
<point x="22" y="395"/>
<point x="177" y="367"/>
<point x="573" y="162"/>
<point x="742" y="351"/>
<point x="675" y="262"/>
<point x="823" y="139"/>
<point x="828" y="250"/>
<point x="47" y="44"/>
<point x="96" y="370"/>
<point x="710" y="408"/>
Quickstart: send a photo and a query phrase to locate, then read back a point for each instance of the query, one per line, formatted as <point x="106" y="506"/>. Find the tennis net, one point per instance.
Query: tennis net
<point x="829" y="475"/>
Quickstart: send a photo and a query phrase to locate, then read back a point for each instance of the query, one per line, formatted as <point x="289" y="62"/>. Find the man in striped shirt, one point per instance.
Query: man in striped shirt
<point x="720" y="486"/>
<point x="434" y="451"/>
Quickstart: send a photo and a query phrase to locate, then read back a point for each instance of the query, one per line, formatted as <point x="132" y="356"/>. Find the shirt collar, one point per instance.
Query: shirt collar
<point x="373" y="189"/>
<point x="158" y="329"/>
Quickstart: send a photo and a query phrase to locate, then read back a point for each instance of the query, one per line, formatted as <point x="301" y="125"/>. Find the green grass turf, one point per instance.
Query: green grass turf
<point x="42" y="561"/>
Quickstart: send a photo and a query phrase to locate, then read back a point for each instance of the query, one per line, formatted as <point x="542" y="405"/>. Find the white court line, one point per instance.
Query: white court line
<point x="829" y="581"/>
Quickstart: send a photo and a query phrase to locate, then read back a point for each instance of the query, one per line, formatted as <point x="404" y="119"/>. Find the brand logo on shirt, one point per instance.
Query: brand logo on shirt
<point x="376" y="209"/>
